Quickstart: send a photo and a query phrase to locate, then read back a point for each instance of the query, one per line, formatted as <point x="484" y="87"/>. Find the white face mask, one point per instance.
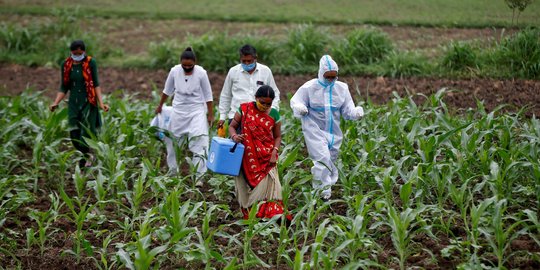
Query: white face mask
<point x="78" y="57"/>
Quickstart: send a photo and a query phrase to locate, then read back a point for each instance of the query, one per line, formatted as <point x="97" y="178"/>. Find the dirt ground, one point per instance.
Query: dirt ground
<point x="493" y="92"/>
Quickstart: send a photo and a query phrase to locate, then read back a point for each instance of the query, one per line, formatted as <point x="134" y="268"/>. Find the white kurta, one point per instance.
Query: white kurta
<point x="326" y="103"/>
<point x="240" y="87"/>
<point x="188" y="119"/>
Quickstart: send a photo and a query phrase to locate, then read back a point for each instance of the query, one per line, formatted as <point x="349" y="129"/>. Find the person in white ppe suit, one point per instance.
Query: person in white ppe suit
<point x="242" y="82"/>
<point x="192" y="112"/>
<point x="320" y="103"/>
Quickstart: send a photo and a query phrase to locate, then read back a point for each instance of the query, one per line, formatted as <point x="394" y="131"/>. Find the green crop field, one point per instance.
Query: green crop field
<point x="422" y="185"/>
<point x="418" y="12"/>
<point x="418" y="186"/>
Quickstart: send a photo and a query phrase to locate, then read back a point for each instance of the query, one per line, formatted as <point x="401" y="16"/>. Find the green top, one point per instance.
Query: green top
<point x="81" y="114"/>
<point x="273" y="113"/>
<point x="77" y="97"/>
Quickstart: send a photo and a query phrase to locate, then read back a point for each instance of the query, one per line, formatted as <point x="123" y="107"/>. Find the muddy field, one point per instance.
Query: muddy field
<point x="516" y="93"/>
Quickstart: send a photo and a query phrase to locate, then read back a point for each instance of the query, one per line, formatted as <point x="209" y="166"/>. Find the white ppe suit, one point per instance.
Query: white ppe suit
<point x="188" y="115"/>
<point x="320" y="104"/>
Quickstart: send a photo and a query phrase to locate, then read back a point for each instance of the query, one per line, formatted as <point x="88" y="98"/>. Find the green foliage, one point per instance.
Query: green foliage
<point x="520" y="5"/>
<point x="306" y="44"/>
<point x="46" y="43"/>
<point x="460" y="56"/>
<point x="365" y="46"/>
<point x="165" y="54"/>
<point x="520" y="54"/>
<point x="404" y="64"/>
<point x="408" y="172"/>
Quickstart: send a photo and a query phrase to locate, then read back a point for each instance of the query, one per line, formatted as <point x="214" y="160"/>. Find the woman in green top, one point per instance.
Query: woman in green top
<point x="79" y="75"/>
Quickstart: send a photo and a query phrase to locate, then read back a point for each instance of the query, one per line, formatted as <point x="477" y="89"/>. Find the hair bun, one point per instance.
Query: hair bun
<point x="188" y="49"/>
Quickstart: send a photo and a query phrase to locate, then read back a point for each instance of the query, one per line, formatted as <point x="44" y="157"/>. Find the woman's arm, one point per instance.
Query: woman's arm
<point x="233" y="126"/>
<point x="161" y="102"/>
<point x="104" y="107"/>
<point x="210" y="116"/>
<point x="59" y="97"/>
<point x="277" y="142"/>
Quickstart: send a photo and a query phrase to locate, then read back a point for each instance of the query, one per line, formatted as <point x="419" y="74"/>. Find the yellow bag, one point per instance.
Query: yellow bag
<point x="221" y="132"/>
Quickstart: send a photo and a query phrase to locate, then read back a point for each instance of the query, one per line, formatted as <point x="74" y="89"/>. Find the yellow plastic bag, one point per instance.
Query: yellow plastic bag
<point x="221" y="132"/>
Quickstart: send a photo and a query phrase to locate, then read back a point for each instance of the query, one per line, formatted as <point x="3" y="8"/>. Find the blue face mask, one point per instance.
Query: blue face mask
<point x="327" y="82"/>
<point x="330" y="81"/>
<point x="249" y="67"/>
<point x="78" y="57"/>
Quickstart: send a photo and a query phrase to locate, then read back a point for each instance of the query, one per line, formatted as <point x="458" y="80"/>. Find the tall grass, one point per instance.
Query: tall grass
<point x="367" y="51"/>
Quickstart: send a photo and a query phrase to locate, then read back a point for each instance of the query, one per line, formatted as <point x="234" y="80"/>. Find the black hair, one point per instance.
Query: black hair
<point x="265" y="91"/>
<point x="188" y="54"/>
<point x="77" y="44"/>
<point x="248" y="50"/>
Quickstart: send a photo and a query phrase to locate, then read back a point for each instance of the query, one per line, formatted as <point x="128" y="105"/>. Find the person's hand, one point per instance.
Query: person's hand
<point x="300" y="109"/>
<point x="158" y="109"/>
<point x="53" y="107"/>
<point x="274" y="157"/>
<point x="105" y="107"/>
<point x="220" y="123"/>
<point x="210" y="119"/>
<point x="238" y="138"/>
<point x="359" y="112"/>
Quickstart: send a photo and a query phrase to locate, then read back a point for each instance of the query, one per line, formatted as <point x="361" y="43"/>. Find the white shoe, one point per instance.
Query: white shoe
<point x="326" y="194"/>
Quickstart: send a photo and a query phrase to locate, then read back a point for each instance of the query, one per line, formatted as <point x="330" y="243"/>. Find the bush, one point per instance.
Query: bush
<point x="365" y="46"/>
<point x="460" y="56"/>
<point x="403" y="64"/>
<point x="165" y="54"/>
<point x="520" y="53"/>
<point x="306" y="45"/>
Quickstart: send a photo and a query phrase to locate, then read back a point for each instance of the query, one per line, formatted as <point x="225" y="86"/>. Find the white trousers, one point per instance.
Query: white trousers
<point x="197" y="145"/>
<point x="191" y="124"/>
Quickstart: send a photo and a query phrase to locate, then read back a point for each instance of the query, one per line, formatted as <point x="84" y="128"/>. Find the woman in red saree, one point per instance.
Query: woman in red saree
<point x="258" y="181"/>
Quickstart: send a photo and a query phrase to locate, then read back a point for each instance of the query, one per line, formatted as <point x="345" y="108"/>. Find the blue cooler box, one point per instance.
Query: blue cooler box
<point x="220" y="158"/>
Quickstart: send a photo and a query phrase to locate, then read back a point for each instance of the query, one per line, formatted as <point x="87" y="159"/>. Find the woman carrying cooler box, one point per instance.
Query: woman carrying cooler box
<point x="261" y="136"/>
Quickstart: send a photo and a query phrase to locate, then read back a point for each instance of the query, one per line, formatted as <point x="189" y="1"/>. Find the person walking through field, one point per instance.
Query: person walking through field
<point x="320" y="103"/>
<point x="260" y="132"/>
<point x="242" y="82"/>
<point x="192" y="111"/>
<point x="79" y="77"/>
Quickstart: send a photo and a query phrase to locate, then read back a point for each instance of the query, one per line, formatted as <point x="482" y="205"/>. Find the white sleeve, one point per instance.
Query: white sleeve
<point x="348" y="110"/>
<point x="272" y="83"/>
<point x="206" y="88"/>
<point x="169" y="84"/>
<point x="225" y="96"/>
<point x="299" y="99"/>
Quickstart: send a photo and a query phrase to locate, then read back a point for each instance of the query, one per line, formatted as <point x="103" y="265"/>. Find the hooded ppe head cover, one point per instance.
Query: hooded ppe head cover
<point x="326" y="64"/>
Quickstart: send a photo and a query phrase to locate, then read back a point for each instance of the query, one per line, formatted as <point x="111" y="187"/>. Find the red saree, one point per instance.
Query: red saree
<point x="258" y="128"/>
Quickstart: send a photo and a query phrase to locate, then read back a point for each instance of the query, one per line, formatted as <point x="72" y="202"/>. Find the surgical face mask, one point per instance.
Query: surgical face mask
<point x="78" y="57"/>
<point x="330" y="81"/>
<point x="188" y="70"/>
<point x="262" y="107"/>
<point x="249" y="67"/>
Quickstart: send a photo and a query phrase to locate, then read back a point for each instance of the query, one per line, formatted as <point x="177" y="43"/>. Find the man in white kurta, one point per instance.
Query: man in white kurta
<point x="320" y="103"/>
<point x="242" y="82"/>
<point x="189" y="116"/>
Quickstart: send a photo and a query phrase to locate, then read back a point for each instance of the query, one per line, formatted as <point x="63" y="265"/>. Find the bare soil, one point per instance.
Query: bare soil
<point x="464" y="93"/>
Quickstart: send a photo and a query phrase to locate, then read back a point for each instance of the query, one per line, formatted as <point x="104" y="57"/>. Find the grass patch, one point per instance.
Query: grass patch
<point x="384" y="12"/>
